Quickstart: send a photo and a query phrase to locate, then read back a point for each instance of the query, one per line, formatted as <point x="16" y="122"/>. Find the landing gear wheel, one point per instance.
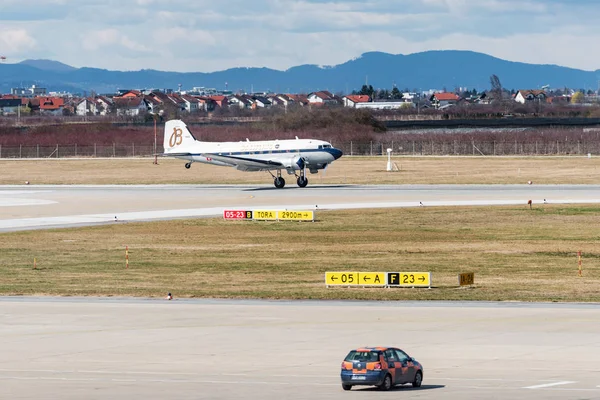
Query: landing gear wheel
<point x="188" y="165"/>
<point x="279" y="182"/>
<point x="302" y="181"/>
<point x="387" y="383"/>
<point x="346" y="387"/>
<point x="418" y="379"/>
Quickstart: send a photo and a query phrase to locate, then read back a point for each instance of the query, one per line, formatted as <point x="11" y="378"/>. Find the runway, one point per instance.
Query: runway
<point x="48" y="206"/>
<point x="71" y="348"/>
<point x="218" y="349"/>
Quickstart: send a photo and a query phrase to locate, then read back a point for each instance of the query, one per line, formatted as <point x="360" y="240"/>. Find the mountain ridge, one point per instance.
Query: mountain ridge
<point x="433" y="69"/>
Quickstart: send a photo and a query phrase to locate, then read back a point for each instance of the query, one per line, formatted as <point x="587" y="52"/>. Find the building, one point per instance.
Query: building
<point x="354" y="100"/>
<point x="524" y="96"/>
<point x="29" y="92"/>
<point x="443" y="99"/>
<point x="386" y="105"/>
<point x="322" y="97"/>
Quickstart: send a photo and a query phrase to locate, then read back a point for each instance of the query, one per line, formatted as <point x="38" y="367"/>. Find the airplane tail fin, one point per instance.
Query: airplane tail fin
<point x="178" y="137"/>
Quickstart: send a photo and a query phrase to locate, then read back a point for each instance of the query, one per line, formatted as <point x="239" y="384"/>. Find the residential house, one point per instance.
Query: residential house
<point x="322" y="97"/>
<point x="260" y="102"/>
<point x="219" y="101"/>
<point x="192" y="104"/>
<point x="241" y="101"/>
<point x="169" y="100"/>
<point x="153" y="104"/>
<point x="523" y="96"/>
<point x="206" y="103"/>
<point x="443" y="99"/>
<point x="103" y="105"/>
<point x="353" y="100"/>
<point x="86" y="106"/>
<point x="275" y="100"/>
<point x="300" y="99"/>
<point x="285" y="100"/>
<point x="51" y="105"/>
<point x="130" y="106"/>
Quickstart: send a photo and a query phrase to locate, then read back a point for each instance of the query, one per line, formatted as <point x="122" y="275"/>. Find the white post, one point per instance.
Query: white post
<point x="389" y="163"/>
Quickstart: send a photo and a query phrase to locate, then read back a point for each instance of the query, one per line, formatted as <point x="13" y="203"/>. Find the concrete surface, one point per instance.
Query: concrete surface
<point x="33" y="207"/>
<point x="209" y="349"/>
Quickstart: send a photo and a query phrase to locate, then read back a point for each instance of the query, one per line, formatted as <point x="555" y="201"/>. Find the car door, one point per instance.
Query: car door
<point x="407" y="366"/>
<point x="394" y="366"/>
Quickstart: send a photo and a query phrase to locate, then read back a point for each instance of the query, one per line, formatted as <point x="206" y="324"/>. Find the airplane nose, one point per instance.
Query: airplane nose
<point x="337" y="153"/>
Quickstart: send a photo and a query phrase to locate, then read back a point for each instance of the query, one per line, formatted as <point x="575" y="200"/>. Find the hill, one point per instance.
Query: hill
<point x="426" y="70"/>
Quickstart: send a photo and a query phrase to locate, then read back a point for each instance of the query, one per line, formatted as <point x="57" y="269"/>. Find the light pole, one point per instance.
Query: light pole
<point x="154" y="116"/>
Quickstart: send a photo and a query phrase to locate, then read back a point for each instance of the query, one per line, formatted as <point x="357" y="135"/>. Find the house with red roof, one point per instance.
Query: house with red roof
<point x="300" y="99"/>
<point x="51" y="105"/>
<point x="219" y="101"/>
<point x="353" y="99"/>
<point x="443" y="99"/>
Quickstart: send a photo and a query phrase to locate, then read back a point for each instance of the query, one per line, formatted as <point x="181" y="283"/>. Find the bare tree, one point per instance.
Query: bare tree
<point x="496" y="87"/>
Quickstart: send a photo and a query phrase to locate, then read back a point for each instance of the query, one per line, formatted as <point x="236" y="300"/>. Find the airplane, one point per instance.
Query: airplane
<point x="293" y="155"/>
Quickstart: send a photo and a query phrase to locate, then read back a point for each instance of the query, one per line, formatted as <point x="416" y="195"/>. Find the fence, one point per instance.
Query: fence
<point x="470" y="148"/>
<point x="353" y="148"/>
<point x="64" y="151"/>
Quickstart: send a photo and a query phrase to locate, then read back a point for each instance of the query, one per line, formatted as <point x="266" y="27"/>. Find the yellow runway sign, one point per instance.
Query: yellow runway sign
<point x="381" y="279"/>
<point x="270" y="215"/>
<point x="409" y="279"/>
<point x="296" y="215"/>
<point x="371" y="278"/>
<point x="341" y="278"/>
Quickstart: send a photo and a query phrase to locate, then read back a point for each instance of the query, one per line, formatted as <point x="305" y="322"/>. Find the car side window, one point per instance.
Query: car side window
<point x="391" y="356"/>
<point x="402" y="356"/>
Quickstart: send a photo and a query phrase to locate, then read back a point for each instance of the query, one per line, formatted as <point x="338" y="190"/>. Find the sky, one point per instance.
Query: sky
<point x="209" y="35"/>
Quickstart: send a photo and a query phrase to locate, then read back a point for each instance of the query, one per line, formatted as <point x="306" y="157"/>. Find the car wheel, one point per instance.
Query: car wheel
<point x="346" y="387"/>
<point x="387" y="383"/>
<point x="418" y="379"/>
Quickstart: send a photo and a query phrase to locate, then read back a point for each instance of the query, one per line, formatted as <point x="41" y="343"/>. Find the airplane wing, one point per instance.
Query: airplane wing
<point x="246" y="164"/>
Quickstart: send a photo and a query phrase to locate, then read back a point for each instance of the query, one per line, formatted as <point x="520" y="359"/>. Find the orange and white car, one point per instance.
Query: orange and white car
<point x="384" y="367"/>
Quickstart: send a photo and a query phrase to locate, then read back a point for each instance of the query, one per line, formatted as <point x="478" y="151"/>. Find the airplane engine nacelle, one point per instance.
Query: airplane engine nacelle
<point x="296" y="163"/>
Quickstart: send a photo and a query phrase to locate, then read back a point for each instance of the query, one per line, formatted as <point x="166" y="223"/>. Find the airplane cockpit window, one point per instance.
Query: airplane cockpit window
<point x="320" y="147"/>
<point x="326" y="146"/>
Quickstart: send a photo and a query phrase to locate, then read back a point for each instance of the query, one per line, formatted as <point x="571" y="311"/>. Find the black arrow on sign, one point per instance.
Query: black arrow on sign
<point x="366" y="278"/>
<point x="333" y="278"/>
<point x="422" y="278"/>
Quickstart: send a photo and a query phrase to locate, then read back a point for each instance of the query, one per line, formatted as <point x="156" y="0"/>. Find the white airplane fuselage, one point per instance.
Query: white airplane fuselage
<point x="288" y="152"/>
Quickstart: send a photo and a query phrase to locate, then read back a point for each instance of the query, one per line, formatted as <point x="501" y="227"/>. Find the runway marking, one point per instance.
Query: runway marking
<point x="545" y="385"/>
<point x="493" y="379"/>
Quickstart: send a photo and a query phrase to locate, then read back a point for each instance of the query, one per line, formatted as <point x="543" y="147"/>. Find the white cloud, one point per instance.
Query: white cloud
<point x="16" y="42"/>
<point x="204" y="35"/>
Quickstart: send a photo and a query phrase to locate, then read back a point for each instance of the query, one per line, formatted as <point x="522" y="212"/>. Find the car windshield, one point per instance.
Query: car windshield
<point x="362" y="356"/>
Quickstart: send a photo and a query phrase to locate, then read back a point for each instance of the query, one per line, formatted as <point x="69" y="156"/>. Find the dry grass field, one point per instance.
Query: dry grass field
<point x="359" y="170"/>
<point x="516" y="253"/>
